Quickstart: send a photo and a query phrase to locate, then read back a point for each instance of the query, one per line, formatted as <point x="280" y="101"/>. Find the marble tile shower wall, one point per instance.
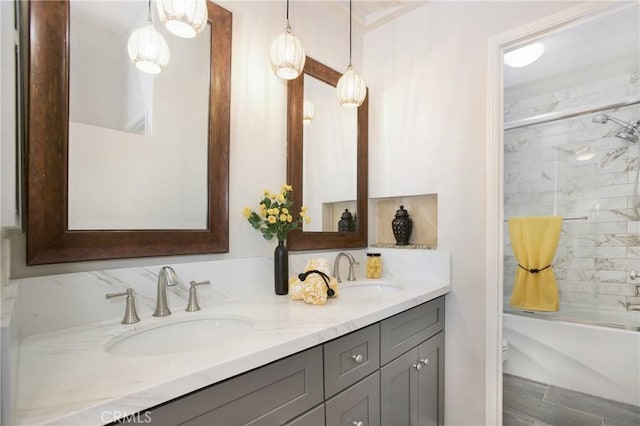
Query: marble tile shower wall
<point x="543" y="177"/>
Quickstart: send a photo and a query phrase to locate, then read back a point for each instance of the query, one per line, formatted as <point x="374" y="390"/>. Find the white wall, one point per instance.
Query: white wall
<point x="427" y="74"/>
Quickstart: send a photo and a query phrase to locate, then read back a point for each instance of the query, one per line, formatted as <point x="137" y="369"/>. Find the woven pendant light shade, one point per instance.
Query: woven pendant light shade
<point x="183" y="18"/>
<point x="148" y="50"/>
<point x="351" y="89"/>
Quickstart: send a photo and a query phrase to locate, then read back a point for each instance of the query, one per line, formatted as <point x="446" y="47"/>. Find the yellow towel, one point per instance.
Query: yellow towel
<point x="534" y="241"/>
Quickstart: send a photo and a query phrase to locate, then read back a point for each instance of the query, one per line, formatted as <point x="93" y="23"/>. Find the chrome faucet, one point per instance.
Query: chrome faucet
<point x="336" y="266"/>
<point x="166" y="278"/>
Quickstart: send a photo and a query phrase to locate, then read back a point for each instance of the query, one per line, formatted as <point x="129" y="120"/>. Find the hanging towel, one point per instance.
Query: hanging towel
<point x="534" y="241"/>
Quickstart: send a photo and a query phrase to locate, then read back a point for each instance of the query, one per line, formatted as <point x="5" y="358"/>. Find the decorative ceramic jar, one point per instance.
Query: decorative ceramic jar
<point x="402" y="225"/>
<point x="346" y="222"/>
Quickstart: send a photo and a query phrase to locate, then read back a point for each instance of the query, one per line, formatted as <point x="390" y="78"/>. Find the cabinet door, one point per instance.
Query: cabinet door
<point x="399" y="390"/>
<point x="431" y="381"/>
<point x="269" y="395"/>
<point x="358" y="405"/>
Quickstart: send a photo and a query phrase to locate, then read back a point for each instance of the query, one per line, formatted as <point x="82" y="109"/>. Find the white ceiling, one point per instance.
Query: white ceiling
<point x="370" y="14"/>
<point x="612" y="38"/>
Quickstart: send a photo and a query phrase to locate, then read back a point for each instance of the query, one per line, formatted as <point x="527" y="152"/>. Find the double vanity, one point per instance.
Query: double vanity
<point x="246" y="356"/>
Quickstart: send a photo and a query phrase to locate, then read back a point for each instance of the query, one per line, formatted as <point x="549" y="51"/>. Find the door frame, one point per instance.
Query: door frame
<point x="496" y="46"/>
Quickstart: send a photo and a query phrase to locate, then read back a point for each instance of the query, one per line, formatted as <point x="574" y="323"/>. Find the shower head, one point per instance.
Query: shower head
<point x="630" y="131"/>
<point x="600" y="118"/>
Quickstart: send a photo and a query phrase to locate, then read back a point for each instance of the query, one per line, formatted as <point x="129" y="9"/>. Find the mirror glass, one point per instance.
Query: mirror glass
<point x="330" y="140"/>
<point x="138" y="140"/>
<point x="121" y="164"/>
<point x="327" y="160"/>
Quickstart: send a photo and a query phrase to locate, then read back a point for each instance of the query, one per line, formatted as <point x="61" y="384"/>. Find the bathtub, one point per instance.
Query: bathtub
<point x="599" y="357"/>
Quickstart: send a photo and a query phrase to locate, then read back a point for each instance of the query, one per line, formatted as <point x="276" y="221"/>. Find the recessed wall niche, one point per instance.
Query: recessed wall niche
<point x="423" y="211"/>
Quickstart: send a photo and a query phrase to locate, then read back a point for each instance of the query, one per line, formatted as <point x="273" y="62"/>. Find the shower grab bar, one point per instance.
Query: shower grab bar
<point x="568" y="113"/>
<point x="567" y="218"/>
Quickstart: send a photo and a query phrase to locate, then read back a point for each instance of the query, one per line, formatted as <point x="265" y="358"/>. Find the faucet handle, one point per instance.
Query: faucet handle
<point x="193" y="306"/>
<point x="130" y="314"/>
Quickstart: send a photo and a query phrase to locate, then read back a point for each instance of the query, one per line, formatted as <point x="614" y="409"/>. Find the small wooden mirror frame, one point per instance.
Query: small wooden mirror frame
<point x="48" y="238"/>
<point x="299" y="240"/>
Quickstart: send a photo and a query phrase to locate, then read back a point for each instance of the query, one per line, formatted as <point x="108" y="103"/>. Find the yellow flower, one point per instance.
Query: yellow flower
<point x="263" y="210"/>
<point x="280" y="197"/>
<point x="303" y="209"/>
<point x="272" y="219"/>
<point x="307" y="220"/>
<point x="285" y="210"/>
<point x="246" y="212"/>
<point x="274" y="211"/>
<point x="267" y="193"/>
<point x="289" y="218"/>
<point x="283" y="217"/>
<point x="286" y="188"/>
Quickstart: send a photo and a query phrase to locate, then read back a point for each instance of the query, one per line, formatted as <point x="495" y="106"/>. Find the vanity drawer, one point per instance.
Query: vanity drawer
<point x="273" y="394"/>
<point x="408" y="329"/>
<point x="350" y="358"/>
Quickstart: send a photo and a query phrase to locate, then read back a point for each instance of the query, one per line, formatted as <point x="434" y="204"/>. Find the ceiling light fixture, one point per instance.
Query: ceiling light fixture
<point x="183" y="18"/>
<point x="524" y="56"/>
<point x="147" y="48"/>
<point x="287" y="54"/>
<point x="351" y="88"/>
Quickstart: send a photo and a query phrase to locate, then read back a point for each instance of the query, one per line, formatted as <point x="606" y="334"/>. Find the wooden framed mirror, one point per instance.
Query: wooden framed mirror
<point x="326" y="238"/>
<point x="50" y="239"/>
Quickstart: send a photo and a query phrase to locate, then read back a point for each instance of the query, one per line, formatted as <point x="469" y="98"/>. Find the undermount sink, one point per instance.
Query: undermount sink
<point x="179" y="336"/>
<point x="369" y="287"/>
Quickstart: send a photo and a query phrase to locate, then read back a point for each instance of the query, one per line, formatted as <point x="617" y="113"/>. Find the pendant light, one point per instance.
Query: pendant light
<point x="351" y="87"/>
<point x="183" y="18"/>
<point x="147" y="48"/>
<point x="287" y="54"/>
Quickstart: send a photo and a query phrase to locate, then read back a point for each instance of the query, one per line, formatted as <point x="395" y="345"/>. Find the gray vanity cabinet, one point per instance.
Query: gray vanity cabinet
<point x="390" y="373"/>
<point x="412" y="381"/>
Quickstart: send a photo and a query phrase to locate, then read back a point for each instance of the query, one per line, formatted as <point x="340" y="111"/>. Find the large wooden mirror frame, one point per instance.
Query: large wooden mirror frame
<point x="48" y="238"/>
<point x="299" y="240"/>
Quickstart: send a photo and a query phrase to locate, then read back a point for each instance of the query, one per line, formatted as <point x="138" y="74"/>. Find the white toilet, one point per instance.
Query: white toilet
<point x="505" y="351"/>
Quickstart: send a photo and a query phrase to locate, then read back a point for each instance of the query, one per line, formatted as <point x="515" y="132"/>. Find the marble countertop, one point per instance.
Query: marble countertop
<point x="66" y="377"/>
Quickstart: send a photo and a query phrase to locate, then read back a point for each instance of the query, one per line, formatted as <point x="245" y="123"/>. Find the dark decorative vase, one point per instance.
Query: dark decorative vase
<point x="402" y="225"/>
<point x="346" y="222"/>
<point x="281" y="269"/>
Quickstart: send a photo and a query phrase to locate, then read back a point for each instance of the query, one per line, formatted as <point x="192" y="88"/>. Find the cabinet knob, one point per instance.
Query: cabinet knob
<point x="425" y="361"/>
<point x="417" y="366"/>
<point x="358" y="358"/>
<point x="358" y="423"/>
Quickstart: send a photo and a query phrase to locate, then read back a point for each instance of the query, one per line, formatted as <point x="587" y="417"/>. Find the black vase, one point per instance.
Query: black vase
<point x="281" y="269"/>
<point x="402" y="226"/>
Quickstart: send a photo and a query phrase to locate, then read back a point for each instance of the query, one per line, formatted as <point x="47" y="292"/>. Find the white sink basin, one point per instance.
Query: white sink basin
<point x="370" y="287"/>
<point x="178" y="336"/>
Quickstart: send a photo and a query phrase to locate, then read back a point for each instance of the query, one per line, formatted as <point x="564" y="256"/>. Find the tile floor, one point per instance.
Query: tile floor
<point x="529" y="403"/>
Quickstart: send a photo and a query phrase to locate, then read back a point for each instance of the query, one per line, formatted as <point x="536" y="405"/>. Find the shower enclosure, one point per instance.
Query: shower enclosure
<point x="571" y="149"/>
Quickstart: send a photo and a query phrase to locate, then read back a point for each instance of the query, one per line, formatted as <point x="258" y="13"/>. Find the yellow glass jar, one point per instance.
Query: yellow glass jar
<point x="374" y="265"/>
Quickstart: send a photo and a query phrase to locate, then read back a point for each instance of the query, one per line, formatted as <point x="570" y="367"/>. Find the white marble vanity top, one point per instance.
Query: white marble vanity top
<point x="66" y="377"/>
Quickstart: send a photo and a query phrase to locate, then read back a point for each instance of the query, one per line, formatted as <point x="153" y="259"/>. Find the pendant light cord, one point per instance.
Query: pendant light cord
<point x="350" y="30"/>
<point x="288" y="26"/>
<point x="149" y="20"/>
